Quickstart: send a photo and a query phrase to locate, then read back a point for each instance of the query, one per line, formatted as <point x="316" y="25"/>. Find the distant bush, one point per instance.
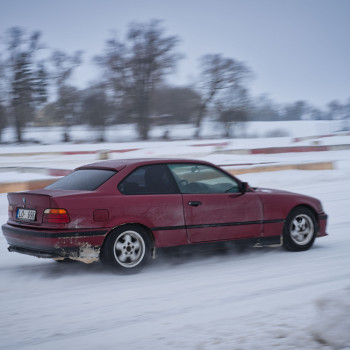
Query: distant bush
<point x="277" y="133"/>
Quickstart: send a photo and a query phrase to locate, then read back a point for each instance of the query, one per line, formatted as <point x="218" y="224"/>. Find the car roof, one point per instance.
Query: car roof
<point x="119" y="164"/>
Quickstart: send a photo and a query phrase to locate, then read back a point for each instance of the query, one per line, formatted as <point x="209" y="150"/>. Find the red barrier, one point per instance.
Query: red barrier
<point x="289" y="149"/>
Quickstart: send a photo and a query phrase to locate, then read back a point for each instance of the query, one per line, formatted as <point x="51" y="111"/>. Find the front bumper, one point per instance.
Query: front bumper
<point x="54" y="243"/>
<point x="322" y="224"/>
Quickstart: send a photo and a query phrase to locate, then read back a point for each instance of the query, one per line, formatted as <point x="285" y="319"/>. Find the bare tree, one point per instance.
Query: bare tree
<point x="336" y="110"/>
<point x="180" y="104"/>
<point x="3" y="93"/>
<point x="116" y="74"/>
<point x="3" y="119"/>
<point x="41" y="83"/>
<point x="20" y="74"/>
<point x="296" y="110"/>
<point x="96" y="109"/>
<point x="218" y="74"/>
<point x="3" y="81"/>
<point x="67" y="108"/>
<point x="232" y="108"/>
<point x="63" y="67"/>
<point x="135" y="67"/>
<point x="264" y="109"/>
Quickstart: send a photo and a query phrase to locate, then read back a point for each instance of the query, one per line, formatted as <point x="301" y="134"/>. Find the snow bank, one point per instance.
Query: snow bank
<point x="332" y="323"/>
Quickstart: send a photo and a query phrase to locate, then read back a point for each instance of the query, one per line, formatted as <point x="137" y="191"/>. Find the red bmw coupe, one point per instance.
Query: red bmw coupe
<point x="121" y="211"/>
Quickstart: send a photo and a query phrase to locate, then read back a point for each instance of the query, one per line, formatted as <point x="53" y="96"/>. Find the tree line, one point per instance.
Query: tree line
<point x="35" y="86"/>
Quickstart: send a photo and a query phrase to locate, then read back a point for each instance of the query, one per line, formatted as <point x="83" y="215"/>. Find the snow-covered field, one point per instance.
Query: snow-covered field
<point x="210" y="129"/>
<point x="257" y="299"/>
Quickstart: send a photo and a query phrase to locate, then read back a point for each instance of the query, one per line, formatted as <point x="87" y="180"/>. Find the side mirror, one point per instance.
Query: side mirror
<point x="244" y="187"/>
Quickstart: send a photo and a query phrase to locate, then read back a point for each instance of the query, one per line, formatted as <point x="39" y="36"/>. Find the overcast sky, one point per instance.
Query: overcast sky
<point x="298" y="49"/>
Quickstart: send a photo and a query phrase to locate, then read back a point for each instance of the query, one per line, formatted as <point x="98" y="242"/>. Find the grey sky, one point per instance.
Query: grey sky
<point x="298" y="49"/>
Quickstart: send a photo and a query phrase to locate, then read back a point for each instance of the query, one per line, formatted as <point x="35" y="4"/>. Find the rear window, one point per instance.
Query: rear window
<point x="84" y="179"/>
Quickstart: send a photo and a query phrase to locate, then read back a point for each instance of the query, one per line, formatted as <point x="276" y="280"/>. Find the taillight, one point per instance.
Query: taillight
<point x="10" y="211"/>
<point x="56" y="216"/>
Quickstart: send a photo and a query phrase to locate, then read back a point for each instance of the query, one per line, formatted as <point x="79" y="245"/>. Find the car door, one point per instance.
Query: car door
<point x="151" y="198"/>
<point x="214" y="207"/>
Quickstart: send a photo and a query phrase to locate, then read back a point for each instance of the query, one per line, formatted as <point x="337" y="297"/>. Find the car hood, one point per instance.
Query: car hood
<point x="271" y="190"/>
<point x="302" y="198"/>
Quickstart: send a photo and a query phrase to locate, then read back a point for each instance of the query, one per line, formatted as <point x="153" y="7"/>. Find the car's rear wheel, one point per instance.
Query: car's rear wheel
<point x="128" y="248"/>
<point x="300" y="230"/>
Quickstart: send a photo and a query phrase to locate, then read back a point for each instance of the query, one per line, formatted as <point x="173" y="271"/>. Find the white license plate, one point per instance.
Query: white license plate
<point x="26" y="214"/>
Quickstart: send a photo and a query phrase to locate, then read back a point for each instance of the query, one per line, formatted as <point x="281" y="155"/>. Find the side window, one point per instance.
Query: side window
<point x="149" y="179"/>
<point x="193" y="178"/>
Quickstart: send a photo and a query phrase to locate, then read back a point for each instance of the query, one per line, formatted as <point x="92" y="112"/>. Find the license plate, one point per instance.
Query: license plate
<point x="26" y="214"/>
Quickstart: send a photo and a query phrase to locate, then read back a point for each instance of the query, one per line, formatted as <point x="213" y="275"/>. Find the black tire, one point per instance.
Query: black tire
<point x="126" y="249"/>
<point x="299" y="230"/>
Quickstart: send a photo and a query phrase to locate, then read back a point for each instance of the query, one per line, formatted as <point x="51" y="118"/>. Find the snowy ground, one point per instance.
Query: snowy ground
<point x="258" y="299"/>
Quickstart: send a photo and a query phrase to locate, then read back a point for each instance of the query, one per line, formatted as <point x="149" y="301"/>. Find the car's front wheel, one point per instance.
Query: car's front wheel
<point x="128" y="248"/>
<point x="300" y="230"/>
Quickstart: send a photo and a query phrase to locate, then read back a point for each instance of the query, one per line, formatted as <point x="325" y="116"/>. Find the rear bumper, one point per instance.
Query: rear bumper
<point x="53" y="243"/>
<point x="40" y="253"/>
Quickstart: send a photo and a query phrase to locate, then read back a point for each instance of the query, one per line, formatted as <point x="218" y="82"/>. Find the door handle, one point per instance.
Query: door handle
<point x="194" y="203"/>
